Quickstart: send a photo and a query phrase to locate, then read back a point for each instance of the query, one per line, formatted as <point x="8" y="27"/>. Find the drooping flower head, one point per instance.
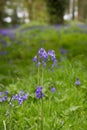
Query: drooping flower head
<point x="35" y="59"/>
<point x="42" y="54"/>
<point x="39" y="93"/>
<point x="20" y="97"/>
<point x="51" y="53"/>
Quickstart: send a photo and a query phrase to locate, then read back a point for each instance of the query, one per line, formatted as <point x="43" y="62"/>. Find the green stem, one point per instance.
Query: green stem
<point x="38" y="83"/>
<point x="4" y="124"/>
<point x="10" y="117"/>
<point x="42" y="113"/>
<point x="38" y="75"/>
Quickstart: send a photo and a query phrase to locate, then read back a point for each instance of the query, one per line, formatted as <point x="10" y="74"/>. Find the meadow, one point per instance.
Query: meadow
<point x="64" y="86"/>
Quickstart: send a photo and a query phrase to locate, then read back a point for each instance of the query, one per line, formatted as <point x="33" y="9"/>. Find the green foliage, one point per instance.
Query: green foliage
<point x="67" y="107"/>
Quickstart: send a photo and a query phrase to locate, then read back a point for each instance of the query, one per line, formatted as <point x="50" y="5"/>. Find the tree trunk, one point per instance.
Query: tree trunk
<point x="82" y="10"/>
<point x="73" y="10"/>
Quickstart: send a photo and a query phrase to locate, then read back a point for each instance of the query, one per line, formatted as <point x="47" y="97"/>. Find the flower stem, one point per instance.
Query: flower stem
<point x="38" y="75"/>
<point x="42" y="115"/>
<point x="42" y="112"/>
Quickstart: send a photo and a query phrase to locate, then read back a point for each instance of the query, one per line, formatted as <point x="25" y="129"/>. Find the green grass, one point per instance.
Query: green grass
<point x="66" y="109"/>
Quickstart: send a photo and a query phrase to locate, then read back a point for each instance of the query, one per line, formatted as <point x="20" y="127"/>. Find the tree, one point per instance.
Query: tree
<point x="56" y="10"/>
<point x="36" y="9"/>
<point x="2" y="5"/>
<point x="82" y="10"/>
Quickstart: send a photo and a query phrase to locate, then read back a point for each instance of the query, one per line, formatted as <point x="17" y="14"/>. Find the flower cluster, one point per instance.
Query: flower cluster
<point x="43" y="56"/>
<point x="3" y="96"/>
<point x="20" y="97"/>
<point x="39" y="93"/>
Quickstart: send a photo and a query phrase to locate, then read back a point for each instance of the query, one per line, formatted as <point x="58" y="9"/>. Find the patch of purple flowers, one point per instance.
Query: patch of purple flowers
<point x="43" y="56"/>
<point x="39" y="93"/>
<point x="3" y="96"/>
<point x="20" y="97"/>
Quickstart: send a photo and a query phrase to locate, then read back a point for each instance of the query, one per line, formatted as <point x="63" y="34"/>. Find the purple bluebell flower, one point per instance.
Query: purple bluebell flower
<point x="53" y="89"/>
<point x="39" y="93"/>
<point x="53" y="57"/>
<point x="51" y="53"/>
<point x="77" y="82"/>
<point x="42" y="54"/>
<point x="3" y="96"/>
<point x="2" y="99"/>
<point x="6" y="92"/>
<point x="42" y="57"/>
<point x="15" y="97"/>
<point x="20" y="97"/>
<point x="35" y="59"/>
<point x="54" y="63"/>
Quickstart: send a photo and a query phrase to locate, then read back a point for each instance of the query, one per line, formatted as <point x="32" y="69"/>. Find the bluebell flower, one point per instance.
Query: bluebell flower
<point x="77" y="82"/>
<point x="42" y="54"/>
<point x="42" y="57"/>
<point x="53" y="89"/>
<point x="51" y="52"/>
<point x="53" y="57"/>
<point x="20" y="97"/>
<point x="6" y="92"/>
<point x="3" y="96"/>
<point x="39" y="93"/>
<point x="35" y="59"/>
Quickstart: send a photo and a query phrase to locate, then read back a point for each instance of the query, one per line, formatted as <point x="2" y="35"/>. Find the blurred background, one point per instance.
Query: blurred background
<point x="14" y="13"/>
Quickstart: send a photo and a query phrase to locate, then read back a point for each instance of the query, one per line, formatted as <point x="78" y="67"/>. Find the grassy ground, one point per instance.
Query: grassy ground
<point x="66" y="108"/>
